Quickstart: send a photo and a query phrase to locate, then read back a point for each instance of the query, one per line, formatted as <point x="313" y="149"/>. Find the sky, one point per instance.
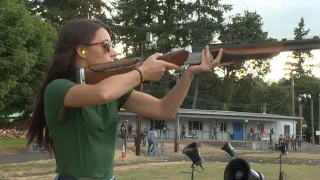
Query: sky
<point x="280" y="17"/>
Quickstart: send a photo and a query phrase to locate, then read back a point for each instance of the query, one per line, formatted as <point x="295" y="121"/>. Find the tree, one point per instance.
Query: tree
<point x="241" y="28"/>
<point x="25" y="48"/>
<point x="249" y="94"/>
<point x="58" y="12"/>
<point x="244" y="28"/>
<point x="173" y="23"/>
<point x="299" y="66"/>
<point x="309" y="85"/>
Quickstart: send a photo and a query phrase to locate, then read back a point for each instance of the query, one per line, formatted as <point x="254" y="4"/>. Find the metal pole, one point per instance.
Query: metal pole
<point x="138" y="141"/>
<point x="312" y="122"/>
<point x="293" y="105"/>
<point x="176" y="137"/>
<point x="319" y="118"/>
<point x="126" y="135"/>
<point x="300" y="114"/>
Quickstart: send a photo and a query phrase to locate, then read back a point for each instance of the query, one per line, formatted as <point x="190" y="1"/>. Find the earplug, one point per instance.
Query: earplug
<point x="83" y="52"/>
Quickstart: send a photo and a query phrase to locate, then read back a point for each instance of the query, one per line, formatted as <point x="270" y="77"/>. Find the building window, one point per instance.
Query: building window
<point x="195" y="125"/>
<point x="157" y="124"/>
<point x="223" y="127"/>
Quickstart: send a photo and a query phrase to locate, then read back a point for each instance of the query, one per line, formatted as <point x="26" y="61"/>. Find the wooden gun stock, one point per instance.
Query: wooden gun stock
<point x="95" y="73"/>
<point x="192" y="55"/>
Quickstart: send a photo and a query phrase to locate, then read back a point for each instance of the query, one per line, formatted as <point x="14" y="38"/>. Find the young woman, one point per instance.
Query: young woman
<point x="78" y="122"/>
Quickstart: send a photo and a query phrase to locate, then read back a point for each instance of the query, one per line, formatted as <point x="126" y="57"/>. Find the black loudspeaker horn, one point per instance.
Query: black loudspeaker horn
<point x="192" y="152"/>
<point x="239" y="169"/>
<point x="229" y="149"/>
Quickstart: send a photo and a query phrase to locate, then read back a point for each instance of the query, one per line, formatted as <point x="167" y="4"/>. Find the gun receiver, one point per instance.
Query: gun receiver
<point x="192" y="55"/>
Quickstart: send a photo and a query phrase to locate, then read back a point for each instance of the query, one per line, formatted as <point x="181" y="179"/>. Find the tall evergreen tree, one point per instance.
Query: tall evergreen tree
<point x="298" y="66"/>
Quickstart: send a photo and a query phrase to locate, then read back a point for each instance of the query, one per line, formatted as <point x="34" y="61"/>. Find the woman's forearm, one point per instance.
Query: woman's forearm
<point x="174" y="98"/>
<point x="115" y="86"/>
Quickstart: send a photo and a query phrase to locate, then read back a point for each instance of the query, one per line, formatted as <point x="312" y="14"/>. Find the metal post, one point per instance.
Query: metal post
<point x="300" y="115"/>
<point x="293" y="105"/>
<point x="126" y="135"/>
<point x="176" y="137"/>
<point x="312" y="122"/>
<point x="319" y="120"/>
<point x="138" y="141"/>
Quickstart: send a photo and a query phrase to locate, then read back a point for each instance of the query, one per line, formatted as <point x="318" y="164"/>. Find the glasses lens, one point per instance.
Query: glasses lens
<point x="107" y="45"/>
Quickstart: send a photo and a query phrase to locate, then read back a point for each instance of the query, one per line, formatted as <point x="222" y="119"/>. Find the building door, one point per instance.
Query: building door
<point x="287" y="131"/>
<point x="237" y="131"/>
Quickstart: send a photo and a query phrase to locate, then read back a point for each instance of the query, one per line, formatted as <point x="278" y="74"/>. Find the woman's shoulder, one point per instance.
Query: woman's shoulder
<point x="58" y="85"/>
<point x="60" y="82"/>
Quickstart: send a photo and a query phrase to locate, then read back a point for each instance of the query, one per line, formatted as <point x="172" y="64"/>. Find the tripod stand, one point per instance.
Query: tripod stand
<point x="194" y="169"/>
<point x="281" y="173"/>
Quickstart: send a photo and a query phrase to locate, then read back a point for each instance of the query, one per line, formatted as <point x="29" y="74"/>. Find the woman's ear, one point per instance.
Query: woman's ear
<point x="81" y="51"/>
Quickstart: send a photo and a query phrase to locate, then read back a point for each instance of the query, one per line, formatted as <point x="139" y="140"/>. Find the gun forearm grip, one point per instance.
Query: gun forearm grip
<point x="176" y="57"/>
<point x="248" y="52"/>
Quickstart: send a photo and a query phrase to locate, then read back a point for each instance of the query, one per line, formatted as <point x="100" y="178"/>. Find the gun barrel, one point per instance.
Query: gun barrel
<point x="288" y="45"/>
<point x="259" y="50"/>
<point x="302" y="45"/>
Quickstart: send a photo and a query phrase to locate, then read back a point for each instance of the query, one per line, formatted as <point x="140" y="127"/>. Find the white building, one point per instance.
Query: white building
<point x="230" y="125"/>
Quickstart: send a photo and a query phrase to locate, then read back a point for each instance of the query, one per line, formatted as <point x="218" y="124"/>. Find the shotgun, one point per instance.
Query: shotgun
<point x="192" y="55"/>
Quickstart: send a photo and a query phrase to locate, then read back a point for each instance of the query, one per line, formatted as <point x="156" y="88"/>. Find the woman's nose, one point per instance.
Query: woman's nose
<point x="113" y="53"/>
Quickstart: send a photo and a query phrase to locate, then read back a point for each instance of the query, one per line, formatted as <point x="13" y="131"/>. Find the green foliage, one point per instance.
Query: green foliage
<point x="58" y="12"/>
<point x="25" y="49"/>
<point x="244" y="28"/>
<point x="299" y="66"/>
<point x="173" y="23"/>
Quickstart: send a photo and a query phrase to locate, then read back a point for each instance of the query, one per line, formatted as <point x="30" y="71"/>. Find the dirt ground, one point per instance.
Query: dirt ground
<point x="311" y="156"/>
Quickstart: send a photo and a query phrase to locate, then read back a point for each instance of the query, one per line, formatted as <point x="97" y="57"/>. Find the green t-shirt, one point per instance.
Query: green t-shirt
<point x="85" y="137"/>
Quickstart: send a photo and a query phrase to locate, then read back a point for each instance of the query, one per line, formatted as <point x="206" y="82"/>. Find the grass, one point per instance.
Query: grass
<point x="212" y="171"/>
<point x="44" y="169"/>
<point x="10" y="146"/>
<point x="12" y="142"/>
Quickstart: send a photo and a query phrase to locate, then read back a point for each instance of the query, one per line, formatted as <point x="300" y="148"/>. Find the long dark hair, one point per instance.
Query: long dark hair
<point x="75" y="32"/>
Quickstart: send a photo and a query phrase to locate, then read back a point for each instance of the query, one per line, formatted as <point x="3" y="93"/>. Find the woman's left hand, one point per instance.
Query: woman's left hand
<point x="206" y="63"/>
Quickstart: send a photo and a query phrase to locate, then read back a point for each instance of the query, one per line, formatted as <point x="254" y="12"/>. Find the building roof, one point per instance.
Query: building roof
<point x="200" y="113"/>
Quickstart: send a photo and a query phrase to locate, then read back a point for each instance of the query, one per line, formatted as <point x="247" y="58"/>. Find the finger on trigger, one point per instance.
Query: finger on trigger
<point x="171" y="66"/>
<point x="157" y="55"/>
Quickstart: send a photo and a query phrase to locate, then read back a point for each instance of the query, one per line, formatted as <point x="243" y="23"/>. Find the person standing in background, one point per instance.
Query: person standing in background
<point x="130" y="127"/>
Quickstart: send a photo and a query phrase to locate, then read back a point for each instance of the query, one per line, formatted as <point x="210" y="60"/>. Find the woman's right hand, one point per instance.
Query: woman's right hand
<point x="153" y="69"/>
